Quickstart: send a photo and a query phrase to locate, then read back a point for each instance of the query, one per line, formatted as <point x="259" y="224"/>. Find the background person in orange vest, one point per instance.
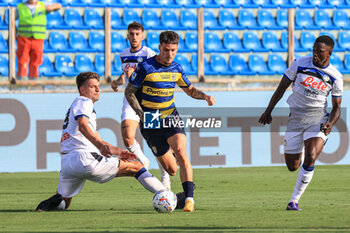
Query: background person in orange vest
<point x="31" y="34"/>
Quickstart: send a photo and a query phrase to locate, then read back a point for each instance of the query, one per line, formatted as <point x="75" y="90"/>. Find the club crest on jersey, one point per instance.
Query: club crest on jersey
<point x="133" y="76"/>
<point x="139" y="59"/>
<point x="315" y="84"/>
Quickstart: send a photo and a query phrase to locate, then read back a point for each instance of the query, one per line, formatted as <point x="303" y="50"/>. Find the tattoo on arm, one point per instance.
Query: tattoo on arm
<point x="130" y="91"/>
<point x="196" y="94"/>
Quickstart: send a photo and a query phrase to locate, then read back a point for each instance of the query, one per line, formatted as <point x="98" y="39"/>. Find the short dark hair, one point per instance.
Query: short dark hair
<point x="83" y="76"/>
<point x="169" y="37"/>
<point x="327" y="40"/>
<point x="135" y="25"/>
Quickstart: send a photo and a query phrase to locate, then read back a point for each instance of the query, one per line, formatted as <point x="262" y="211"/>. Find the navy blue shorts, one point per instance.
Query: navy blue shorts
<point x="157" y="139"/>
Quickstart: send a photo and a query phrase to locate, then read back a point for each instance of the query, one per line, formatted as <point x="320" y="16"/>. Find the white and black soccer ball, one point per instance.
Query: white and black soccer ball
<point x="164" y="201"/>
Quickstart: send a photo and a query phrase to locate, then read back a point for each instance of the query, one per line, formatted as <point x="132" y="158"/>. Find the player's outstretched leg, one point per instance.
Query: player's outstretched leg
<point x="136" y="149"/>
<point x="164" y="176"/>
<point x="181" y="198"/>
<point x="54" y="202"/>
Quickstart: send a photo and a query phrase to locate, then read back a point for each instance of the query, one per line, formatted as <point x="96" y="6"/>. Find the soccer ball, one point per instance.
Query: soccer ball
<point x="164" y="201"/>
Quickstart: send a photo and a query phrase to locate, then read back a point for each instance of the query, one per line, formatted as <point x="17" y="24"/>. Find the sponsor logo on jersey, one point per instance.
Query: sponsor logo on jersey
<point x="150" y="91"/>
<point x="314" y="83"/>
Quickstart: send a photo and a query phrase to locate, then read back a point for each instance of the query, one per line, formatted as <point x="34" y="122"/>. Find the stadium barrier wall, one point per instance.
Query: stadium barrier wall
<point x="30" y="131"/>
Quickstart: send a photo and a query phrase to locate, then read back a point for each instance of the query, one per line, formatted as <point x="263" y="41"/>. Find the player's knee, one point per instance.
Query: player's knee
<point x="292" y="168"/>
<point x="128" y="141"/>
<point x="172" y="172"/>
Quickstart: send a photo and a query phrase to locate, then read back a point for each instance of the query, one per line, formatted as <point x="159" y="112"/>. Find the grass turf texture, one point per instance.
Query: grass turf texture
<point x="227" y="200"/>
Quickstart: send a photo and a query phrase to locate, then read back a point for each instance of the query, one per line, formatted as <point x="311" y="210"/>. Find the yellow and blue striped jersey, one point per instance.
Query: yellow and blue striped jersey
<point x="156" y="84"/>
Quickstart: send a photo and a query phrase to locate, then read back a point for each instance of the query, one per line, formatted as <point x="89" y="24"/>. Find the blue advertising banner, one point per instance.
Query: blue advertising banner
<point x="225" y="135"/>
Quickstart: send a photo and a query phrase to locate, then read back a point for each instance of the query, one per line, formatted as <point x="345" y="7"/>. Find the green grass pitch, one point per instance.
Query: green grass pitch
<point x="227" y="200"/>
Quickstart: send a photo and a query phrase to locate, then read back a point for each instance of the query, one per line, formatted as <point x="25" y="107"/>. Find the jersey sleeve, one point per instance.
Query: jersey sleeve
<point x="337" y="90"/>
<point x="183" y="81"/>
<point x="82" y="107"/>
<point x="291" y="72"/>
<point x="151" y="53"/>
<point x="139" y="75"/>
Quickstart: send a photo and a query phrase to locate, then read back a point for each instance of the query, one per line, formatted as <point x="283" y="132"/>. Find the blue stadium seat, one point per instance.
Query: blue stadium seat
<point x="337" y="62"/>
<point x="206" y="3"/>
<point x="282" y="18"/>
<point x="322" y="19"/>
<point x="185" y="63"/>
<point x="245" y="3"/>
<point x="226" y="3"/>
<point x="55" y="20"/>
<point x="320" y="3"/>
<point x="279" y="3"/>
<point x="10" y="2"/>
<point x="3" y="25"/>
<point x="182" y="46"/>
<point x="4" y="66"/>
<point x="47" y="47"/>
<point x="247" y="19"/>
<point x="116" y="21"/>
<point x="100" y="64"/>
<point x="6" y="17"/>
<point x="212" y="43"/>
<point x="341" y="19"/>
<point x="188" y="19"/>
<point x="58" y="42"/>
<point x="301" y="3"/>
<point x="78" y="42"/>
<point x="95" y="3"/>
<point x="169" y="19"/>
<point x="148" y="3"/>
<point x="167" y="3"/>
<point x="76" y="3"/>
<point x="257" y="64"/>
<point x="73" y="19"/>
<point x="346" y="63"/>
<point x="271" y="42"/>
<point x="185" y="3"/>
<point x="150" y="20"/>
<point x="284" y="42"/>
<point x="207" y="69"/>
<point x="3" y="44"/>
<point x="264" y="3"/>
<point x="97" y="41"/>
<point x="93" y="19"/>
<point x="232" y="42"/>
<point x="303" y="20"/>
<point x="344" y="40"/>
<point x="191" y="41"/>
<point x="337" y="3"/>
<point x="228" y="20"/>
<point x="153" y="40"/>
<point x="266" y="19"/>
<point x="238" y="65"/>
<point x="117" y="66"/>
<point x="276" y="63"/>
<point x="118" y="42"/>
<point x="219" y="65"/>
<point x="83" y="63"/>
<point x="336" y="46"/>
<point x="129" y="3"/>
<point x="112" y="3"/>
<point x="64" y="64"/>
<point x="307" y="40"/>
<point x="47" y="69"/>
<point x="130" y="15"/>
<point x="252" y="42"/>
<point x="210" y="21"/>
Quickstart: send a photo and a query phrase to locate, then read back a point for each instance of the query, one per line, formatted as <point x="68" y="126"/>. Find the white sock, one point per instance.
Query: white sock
<point x="303" y="180"/>
<point x="136" y="149"/>
<point x="62" y="205"/>
<point x="189" y="198"/>
<point x="148" y="181"/>
<point x="164" y="176"/>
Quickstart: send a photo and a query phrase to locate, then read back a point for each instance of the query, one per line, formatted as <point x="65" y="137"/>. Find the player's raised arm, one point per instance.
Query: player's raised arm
<point x="130" y="91"/>
<point x="118" y="82"/>
<point x="198" y="94"/>
<point x="266" y="118"/>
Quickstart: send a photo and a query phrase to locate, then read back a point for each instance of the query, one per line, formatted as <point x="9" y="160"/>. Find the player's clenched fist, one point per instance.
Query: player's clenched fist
<point x="210" y="100"/>
<point x="265" y="118"/>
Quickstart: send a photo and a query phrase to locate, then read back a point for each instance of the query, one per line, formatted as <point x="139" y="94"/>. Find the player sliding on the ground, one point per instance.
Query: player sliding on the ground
<point x="312" y="79"/>
<point x="85" y="156"/>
